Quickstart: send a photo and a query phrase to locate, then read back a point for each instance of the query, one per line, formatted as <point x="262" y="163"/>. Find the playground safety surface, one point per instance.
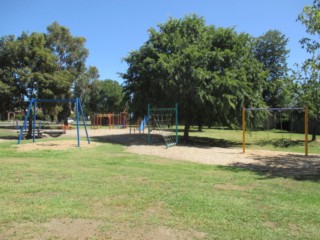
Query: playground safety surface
<point x="270" y="163"/>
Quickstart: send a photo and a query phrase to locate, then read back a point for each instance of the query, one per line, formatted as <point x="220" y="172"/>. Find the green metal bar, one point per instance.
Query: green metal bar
<point x="77" y="117"/>
<point x="170" y="145"/>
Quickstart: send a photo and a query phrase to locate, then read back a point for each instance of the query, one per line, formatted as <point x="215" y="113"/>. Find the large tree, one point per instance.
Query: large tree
<point x="310" y="18"/>
<point x="40" y="65"/>
<point x="203" y="68"/>
<point x="270" y="49"/>
<point x="106" y="96"/>
<point x="25" y="63"/>
<point x="83" y="87"/>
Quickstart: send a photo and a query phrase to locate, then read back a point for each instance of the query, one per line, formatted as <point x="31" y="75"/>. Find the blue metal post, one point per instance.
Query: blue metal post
<point x="34" y="122"/>
<point x="25" y="121"/>
<point x="84" y="121"/>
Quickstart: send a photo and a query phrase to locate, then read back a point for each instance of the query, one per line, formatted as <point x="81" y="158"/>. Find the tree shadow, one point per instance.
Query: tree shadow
<point x="129" y="139"/>
<point x="280" y="143"/>
<point x="206" y="142"/>
<point x="9" y="137"/>
<point x="157" y="140"/>
<point x="283" y="165"/>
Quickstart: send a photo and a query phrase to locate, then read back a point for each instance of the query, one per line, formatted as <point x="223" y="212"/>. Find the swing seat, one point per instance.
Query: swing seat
<point x="54" y="134"/>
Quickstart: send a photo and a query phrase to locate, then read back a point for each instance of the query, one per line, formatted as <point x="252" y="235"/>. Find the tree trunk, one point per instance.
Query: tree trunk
<point x="186" y="131"/>
<point x="315" y="128"/>
<point x="200" y="124"/>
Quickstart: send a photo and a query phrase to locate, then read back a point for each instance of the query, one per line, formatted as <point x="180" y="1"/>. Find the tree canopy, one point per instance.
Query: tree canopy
<point x="310" y="88"/>
<point x="209" y="71"/>
<point x="40" y="65"/>
<point x="270" y="49"/>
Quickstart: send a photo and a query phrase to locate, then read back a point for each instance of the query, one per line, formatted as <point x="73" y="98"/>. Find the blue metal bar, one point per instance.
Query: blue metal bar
<point x="77" y="117"/>
<point x="55" y="100"/>
<point x="34" y="122"/>
<point x="34" y="101"/>
<point x="84" y="121"/>
<point x="25" y="120"/>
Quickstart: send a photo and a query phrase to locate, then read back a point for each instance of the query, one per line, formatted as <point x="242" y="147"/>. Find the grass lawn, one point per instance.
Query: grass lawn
<point x="274" y="140"/>
<point x="104" y="192"/>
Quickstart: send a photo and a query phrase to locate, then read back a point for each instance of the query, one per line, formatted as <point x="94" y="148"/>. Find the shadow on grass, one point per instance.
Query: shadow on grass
<point x="6" y="134"/>
<point x="292" y="166"/>
<point x="157" y="140"/>
<point x="279" y="143"/>
<point x="9" y="137"/>
<point x="205" y="142"/>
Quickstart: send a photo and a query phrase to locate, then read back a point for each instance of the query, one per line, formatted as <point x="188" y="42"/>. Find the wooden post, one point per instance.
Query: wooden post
<point x="243" y="129"/>
<point x="306" y="130"/>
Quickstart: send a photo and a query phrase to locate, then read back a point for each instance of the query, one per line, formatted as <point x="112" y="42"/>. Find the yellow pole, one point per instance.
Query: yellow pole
<point x="243" y="129"/>
<point x="306" y="130"/>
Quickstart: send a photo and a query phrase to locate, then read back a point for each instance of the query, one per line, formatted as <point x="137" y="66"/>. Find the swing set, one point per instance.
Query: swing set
<point x="33" y="105"/>
<point x="286" y="144"/>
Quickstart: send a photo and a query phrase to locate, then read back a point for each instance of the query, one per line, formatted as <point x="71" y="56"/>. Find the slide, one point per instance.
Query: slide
<point x="143" y="123"/>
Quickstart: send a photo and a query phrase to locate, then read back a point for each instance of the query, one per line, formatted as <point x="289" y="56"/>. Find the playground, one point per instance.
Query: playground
<point x="123" y="187"/>
<point x="278" y="163"/>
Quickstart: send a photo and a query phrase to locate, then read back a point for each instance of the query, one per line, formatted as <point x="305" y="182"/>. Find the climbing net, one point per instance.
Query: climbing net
<point x="164" y="122"/>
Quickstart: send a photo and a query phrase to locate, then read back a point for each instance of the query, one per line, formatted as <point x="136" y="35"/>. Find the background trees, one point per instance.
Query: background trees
<point x="40" y="66"/>
<point x="203" y="68"/>
<point x="270" y="50"/>
<point x="106" y="96"/>
<point x="211" y="72"/>
<point x="310" y="18"/>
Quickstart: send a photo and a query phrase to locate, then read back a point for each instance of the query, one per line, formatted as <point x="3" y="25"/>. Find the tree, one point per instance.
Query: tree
<point x="203" y="68"/>
<point x="70" y="56"/>
<point x="310" y="18"/>
<point x="270" y="50"/>
<point x="83" y="87"/>
<point x="24" y="63"/>
<point x="106" y="96"/>
<point x="39" y="65"/>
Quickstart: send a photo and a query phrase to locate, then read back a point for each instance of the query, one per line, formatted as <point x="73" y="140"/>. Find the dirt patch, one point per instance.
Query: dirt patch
<point x="80" y="229"/>
<point x="55" y="145"/>
<point x="229" y="186"/>
<point x="83" y="229"/>
<point x="123" y="232"/>
<point x="65" y="229"/>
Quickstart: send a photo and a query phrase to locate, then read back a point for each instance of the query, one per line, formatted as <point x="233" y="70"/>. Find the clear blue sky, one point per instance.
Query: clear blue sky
<point x="113" y="28"/>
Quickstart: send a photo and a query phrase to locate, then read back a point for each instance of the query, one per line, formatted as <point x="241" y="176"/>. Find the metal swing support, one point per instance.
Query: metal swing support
<point x="33" y="104"/>
<point x="306" y="124"/>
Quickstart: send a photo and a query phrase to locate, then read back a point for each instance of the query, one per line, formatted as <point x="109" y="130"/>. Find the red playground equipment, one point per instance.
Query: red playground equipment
<point x="112" y="120"/>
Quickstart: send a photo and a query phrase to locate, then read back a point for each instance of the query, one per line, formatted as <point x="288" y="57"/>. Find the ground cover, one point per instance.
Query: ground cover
<point x="275" y="140"/>
<point x="105" y="192"/>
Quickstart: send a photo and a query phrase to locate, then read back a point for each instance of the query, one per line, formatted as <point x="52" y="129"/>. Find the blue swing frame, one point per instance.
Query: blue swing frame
<point x="33" y="103"/>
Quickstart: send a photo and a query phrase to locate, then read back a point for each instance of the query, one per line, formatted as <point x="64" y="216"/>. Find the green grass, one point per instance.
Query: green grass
<point x="134" y="192"/>
<point x="274" y="140"/>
